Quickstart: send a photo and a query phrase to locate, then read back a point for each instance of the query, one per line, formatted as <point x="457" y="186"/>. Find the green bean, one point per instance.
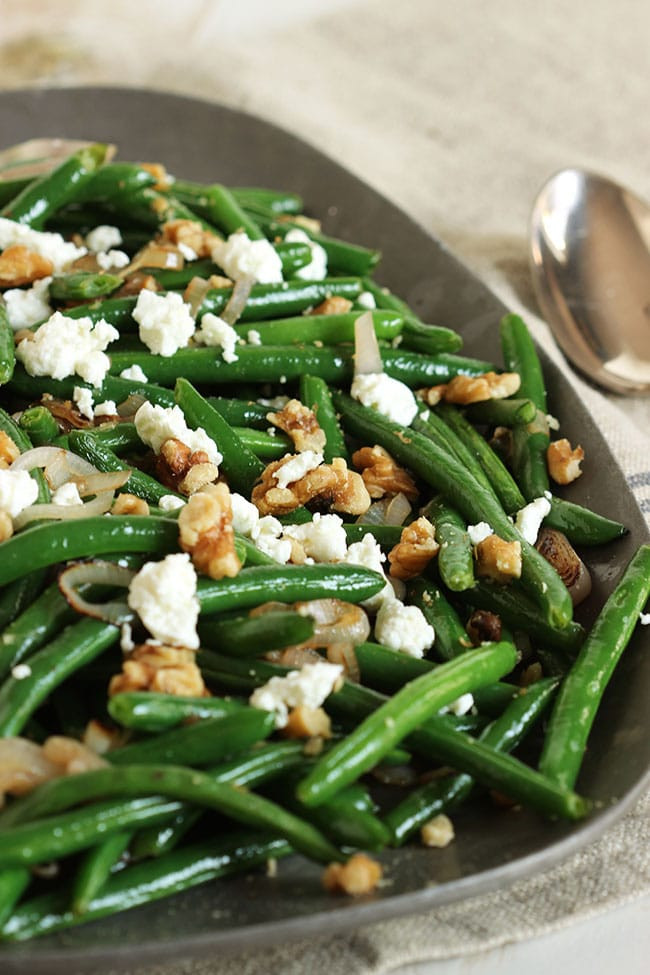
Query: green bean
<point x="39" y="425"/>
<point x="294" y="257"/>
<point x="315" y="394"/>
<point x="116" y="311"/>
<point x="146" y="882"/>
<point x="285" y="298"/>
<point x="417" y="336"/>
<point x="386" y="535"/>
<point x="98" y="453"/>
<point x="455" y="557"/>
<point x="239" y="464"/>
<point x="265" y="446"/>
<point x="151" y="208"/>
<point x="39" y="621"/>
<point x="47" y="544"/>
<point x="451" y="636"/>
<point x="13" y="883"/>
<point x="496" y="473"/>
<point x="152" y="711"/>
<point x="401" y="715"/>
<point x="83" y="285"/>
<point x="582" y="526"/>
<point x="331" y="329"/>
<point x="9" y="188"/>
<point x="217" y="204"/>
<point x="7" y="346"/>
<point x="440" y="433"/>
<point x="342" y="818"/>
<point x="173" y="782"/>
<point x="441" y="795"/>
<point x="502" y="412"/>
<point x="18" y="595"/>
<point x="582" y="690"/>
<point x="95" y="869"/>
<point x="472" y="501"/>
<point x="241" y="413"/>
<point x="252" y="636"/>
<point x="44" y="196"/>
<point x="74" y="647"/>
<point x="342" y="256"/>
<point x="275" y="201"/>
<point x="116" y="177"/>
<point x="288" y="584"/>
<point x="9" y="426"/>
<point x="119" y="436"/>
<point x="113" y="387"/>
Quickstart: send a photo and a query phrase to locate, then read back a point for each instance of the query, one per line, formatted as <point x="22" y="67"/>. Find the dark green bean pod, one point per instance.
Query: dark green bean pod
<point x="151" y="711"/>
<point x="582" y="689"/>
<point x="146" y="882"/>
<point x="275" y="201"/>
<point x="95" y="451"/>
<point x="442" y="795"/>
<point x="44" y="196"/>
<point x="240" y="465"/>
<point x="285" y="298"/>
<point x="75" y="646"/>
<point x="47" y="544"/>
<point x="121" y="436"/>
<point x="241" y="413"/>
<point x="10" y="188"/>
<point x="7" y="346"/>
<point x="114" y="387"/>
<point x="116" y="311"/>
<point x="252" y="636"/>
<point x="386" y="535"/>
<point x="39" y="425"/>
<point x="315" y="394"/>
<point x="13" y="884"/>
<point x="431" y="425"/>
<point x="331" y="329"/>
<point x="95" y="869"/>
<point x="502" y="412"/>
<point x="114" y="178"/>
<point x="266" y="446"/>
<point x="9" y="426"/>
<point x="582" y="526"/>
<point x="451" y="636"/>
<point x="39" y="621"/>
<point x="342" y="256"/>
<point x="151" y="208"/>
<point x="83" y="285"/>
<point x="456" y="556"/>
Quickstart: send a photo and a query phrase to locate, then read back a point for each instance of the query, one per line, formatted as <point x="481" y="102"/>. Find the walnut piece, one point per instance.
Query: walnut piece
<point x="156" y="667"/>
<point x="382" y="475"/>
<point x="24" y="764"/>
<point x="70" y="755"/>
<point x="206" y="532"/>
<point x="135" y="283"/>
<point x="190" y="233"/>
<point x="334" y="305"/>
<point x="564" y="462"/>
<point x="473" y="389"/>
<point x="301" y="424"/>
<point x="19" y="265"/>
<point x="360" y="875"/>
<point x="438" y="831"/>
<point x="129" y="504"/>
<point x="328" y="486"/>
<point x="307" y="723"/>
<point x="184" y="470"/>
<point x="9" y="452"/>
<point x="6" y="526"/>
<point x="414" y="551"/>
<point x="160" y="174"/>
<point x="498" y="560"/>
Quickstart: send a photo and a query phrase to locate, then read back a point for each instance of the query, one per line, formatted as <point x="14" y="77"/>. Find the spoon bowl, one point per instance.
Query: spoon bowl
<point x="590" y="263"/>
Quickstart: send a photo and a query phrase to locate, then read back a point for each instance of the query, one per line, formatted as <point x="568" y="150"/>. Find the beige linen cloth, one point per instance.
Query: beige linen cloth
<point x="457" y="112"/>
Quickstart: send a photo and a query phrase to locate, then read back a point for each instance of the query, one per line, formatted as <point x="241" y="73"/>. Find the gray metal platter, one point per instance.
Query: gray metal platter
<point x="203" y="141"/>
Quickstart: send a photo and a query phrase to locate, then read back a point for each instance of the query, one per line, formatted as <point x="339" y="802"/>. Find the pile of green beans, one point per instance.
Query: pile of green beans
<point x="194" y="787"/>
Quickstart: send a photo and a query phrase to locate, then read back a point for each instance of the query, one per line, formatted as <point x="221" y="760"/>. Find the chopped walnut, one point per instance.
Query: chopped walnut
<point x="307" y="723"/>
<point x="334" y="305"/>
<point x="206" y="532"/>
<point x="160" y="174"/>
<point x="6" y="526"/>
<point x="382" y="475"/>
<point x="414" y="551"/>
<point x="360" y="875"/>
<point x="24" y="764"/>
<point x="129" y="504"/>
<point x="563" y="462"/>
<point x="70" y="755"/>
<point x="182" y="469"/>
<point x="9" y="452"/>
<point x="301" y="424"/>
<point x="310" y="224"/>
<point x="497" y="559"/>
<point x="156" y="667"/>
<point x="438" y="831"/>
<point x="432" y="395"/>
<point x="190" y="233"/>
<point x="198" y="477"/>
<point x="326" y="486"/>
<point x="473" y="389"/>
<point x="135" y="283"/>
<point x="19" y="265"/>
<point x="101" y="739"/>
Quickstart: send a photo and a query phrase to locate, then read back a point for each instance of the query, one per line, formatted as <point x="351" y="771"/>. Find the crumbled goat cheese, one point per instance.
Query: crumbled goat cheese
<point x="367" y="300"/>
<point x="528" y="519"/>
<point x="368" y="553"/>
<point x="135" y="374"/>
<point x="553" y="422"/>
<point x="388" y="396"/>
<point x="155" y="424"/>
<point x="316" y="270"/>
<point x="50" y="246"/>
<point x="323" y="538"/>
<point x="297" y="467"/>
<point x="268" y="539"/>
<point x="111" y="259"/>
<point x="438" y="832"/>
<point x="307" y="687"/>
<point x="67" y="495"/>
<point x="26" y="306"/>
<point x="84" y="401"/>
<point x="242" y="258"/>
<point x="169" y="502"/>
<point x="478" y="533"/>
<point x="403" y="628"/>
<point x="215" y="332"/>
<point x="188" y="253"/>
<point x="253" y="337"/>
<point x="163" y="594"/>
<point x="17" y="491"/>
<point x="21" y="671"/>
<point x="126" y="638"/>
<point x="462" y="705"/>
<point x="64" y="347"/>
<point x="165" y="321"/>
<point x="103" y="238"/>
<point x="107" y="408"/>
<point x="644" y="619"/>
<point x="245" y="516"/>
<point x="276" y="403"/>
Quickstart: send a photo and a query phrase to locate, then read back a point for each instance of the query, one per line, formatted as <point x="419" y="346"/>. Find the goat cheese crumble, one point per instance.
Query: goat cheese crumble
<point x="155" y="424"/>
<point x="296" y="468"/>
<point x="165" y="321"/>
<point x="135" y="374"/>
<point x="26" y="306"/>
<point x="163" y="594"/>
<point x="169" y="502"/>
<point x="478" y="533"/>
<point x="240" y="257"/>
<point x="307" y="687"/>
<point x="403" y="628"/>
<point x="528" y="519"/>
<point x="50" y="246"/>
<point x="83" y="398"/>
<point x="17" y="491"/>
<point x="103" y="238"/>
<point x="112" y="259"/>
<point x="388" y="396"/>
<point x="215" y="332"/>
<point x="316" y="270"/>
<point x="367" y="300"/>
<point x="323" y="538"/>
<point x="67" y="495"/>
<point x="65" y="347"/>
<point x="368" y="554"/>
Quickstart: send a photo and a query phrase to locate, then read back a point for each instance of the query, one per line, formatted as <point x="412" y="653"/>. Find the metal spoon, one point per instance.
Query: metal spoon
<point x="590" y="262"/>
